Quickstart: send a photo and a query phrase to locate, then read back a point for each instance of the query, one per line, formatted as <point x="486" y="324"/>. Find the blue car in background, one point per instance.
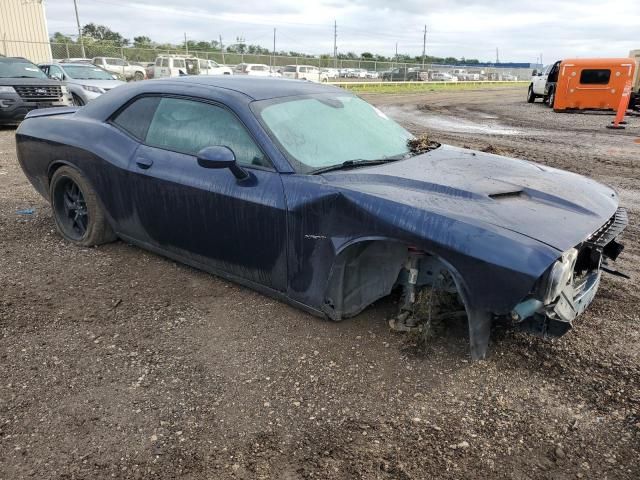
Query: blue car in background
<point x="307" y="193"/>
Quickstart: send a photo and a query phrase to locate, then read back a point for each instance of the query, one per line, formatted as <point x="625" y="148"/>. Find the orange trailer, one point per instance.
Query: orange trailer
<point x="592" y="83"/>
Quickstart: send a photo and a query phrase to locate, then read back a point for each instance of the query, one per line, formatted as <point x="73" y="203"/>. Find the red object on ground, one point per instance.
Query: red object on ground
<point x="622" y="107"/>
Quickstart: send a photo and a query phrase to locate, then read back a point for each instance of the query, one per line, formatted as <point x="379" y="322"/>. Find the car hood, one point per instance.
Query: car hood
<point x="27" y="81"/>
<point x="106" y="84"/>
<point x="555" y="207"/>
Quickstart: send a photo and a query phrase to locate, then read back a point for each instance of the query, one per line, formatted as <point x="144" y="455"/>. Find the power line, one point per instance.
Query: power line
<point x="75" y="6"/>
<point x="335" y="44"/>
<point x="424" y="46"/>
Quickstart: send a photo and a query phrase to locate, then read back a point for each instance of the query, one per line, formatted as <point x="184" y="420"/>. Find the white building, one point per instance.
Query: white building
<point x="23" y="30"/>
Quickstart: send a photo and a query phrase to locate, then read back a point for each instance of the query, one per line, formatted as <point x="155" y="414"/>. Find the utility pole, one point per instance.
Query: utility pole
<point x="75" y="5"/>
<point x="541" y="60"/>
<point x="396" y="53"/>
<point x="335" y="43"/>
<point x="424" y="46"/>
<point x="497" y="56"/>
<point x="222" y="49"/>
<point x="273" y="57"/>
<point x="186" y="45"/>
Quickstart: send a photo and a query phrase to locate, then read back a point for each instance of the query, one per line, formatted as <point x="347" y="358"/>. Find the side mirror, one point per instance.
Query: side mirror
<point x="220" y="156"/>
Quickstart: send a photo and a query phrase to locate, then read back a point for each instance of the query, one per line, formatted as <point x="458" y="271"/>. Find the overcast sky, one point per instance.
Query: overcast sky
<point x="521" y="29"/>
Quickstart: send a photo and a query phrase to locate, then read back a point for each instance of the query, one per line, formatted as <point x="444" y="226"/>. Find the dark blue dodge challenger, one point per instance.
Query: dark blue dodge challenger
<point x="308" y="193"/>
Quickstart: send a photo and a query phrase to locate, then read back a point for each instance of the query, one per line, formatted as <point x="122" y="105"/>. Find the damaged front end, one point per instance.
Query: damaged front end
<point x="431" y="296"/>
<point x="570" y="284"/>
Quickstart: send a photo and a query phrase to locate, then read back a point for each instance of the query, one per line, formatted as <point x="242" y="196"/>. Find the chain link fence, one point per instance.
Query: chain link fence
<point x="350" y="69"/>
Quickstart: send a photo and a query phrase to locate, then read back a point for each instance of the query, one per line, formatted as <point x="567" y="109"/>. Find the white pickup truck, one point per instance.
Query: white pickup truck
<point x="121" y="67"/>
<point x="543" y="84"/>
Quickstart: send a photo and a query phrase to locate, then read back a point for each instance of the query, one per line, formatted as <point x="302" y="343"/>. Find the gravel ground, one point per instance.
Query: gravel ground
<point x="117" y="363"/>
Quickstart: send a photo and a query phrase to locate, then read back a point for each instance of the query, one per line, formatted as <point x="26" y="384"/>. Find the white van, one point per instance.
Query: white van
<point x="304" y="72"/>
<point x="175" y="66"/>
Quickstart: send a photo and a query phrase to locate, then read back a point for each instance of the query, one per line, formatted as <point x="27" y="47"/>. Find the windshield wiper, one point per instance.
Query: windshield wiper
<point x="354" y="164"/>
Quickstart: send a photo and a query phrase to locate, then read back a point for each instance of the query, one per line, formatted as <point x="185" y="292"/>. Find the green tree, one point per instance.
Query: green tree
<point x="101" y="33"/>
<point x="142" y="42"/>
<point x="367" y="55"/>
<point x="58" y="37"/>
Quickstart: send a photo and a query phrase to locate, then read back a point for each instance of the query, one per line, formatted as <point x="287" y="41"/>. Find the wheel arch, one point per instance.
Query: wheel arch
<point x="343" y="299"/>
<point x="56" y="165"/>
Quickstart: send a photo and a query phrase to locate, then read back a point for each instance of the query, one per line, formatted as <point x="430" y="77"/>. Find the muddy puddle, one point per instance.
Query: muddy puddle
<point x="485" y="124"/>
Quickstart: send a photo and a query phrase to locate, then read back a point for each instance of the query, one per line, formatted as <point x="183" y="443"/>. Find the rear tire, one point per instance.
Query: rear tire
<point x="531" y="97"/>
<point x="79" y="217"/>
<point x="138" y="76"/>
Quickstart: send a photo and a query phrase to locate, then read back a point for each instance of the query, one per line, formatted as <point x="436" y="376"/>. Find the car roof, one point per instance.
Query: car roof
<point x="257" y="88"/>
<point x="14" y="59"/>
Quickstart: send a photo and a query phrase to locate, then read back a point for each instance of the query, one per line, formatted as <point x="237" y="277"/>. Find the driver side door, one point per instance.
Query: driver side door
<point x="206" y="216"/>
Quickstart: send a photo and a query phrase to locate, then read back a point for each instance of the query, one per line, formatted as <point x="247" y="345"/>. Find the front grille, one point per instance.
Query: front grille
<point x="38" y="92"/>
<point x="610" y="230"/>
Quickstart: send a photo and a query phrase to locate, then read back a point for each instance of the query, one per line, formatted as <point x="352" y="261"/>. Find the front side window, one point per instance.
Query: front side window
<point x="188" y="126"/>
<point x="165" y="62"/>
<point x="595" y="76"/>
<point x="158" y="62"/>
<point x="318" y="131"/>
<point x="290" y="68"/>
<point x="178" y="63"/>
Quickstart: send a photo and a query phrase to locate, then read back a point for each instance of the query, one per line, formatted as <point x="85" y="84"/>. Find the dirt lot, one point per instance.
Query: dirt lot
<point x="117" y="363"/>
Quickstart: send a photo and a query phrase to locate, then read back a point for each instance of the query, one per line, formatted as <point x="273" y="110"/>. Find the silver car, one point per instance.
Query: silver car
<point x="84" y="81"/>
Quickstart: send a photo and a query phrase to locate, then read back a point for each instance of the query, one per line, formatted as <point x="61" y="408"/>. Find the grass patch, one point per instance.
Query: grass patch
<point x="401" y="87"/>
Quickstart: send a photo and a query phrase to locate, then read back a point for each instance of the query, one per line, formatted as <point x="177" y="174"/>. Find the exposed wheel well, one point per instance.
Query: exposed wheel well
<point x="369" y="270"/>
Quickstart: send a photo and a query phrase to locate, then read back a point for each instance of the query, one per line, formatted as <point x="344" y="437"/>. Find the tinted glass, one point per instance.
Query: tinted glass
<point x="158" y="62"/>
<point x="188" y="126"/>
<point x="595" y="76"/>
<point x="318" y="131"/>
<point x="136" y="117"/>
<point x="11" y="68"/>
<point x="88" y="72"/>
<point x="290" y="69"/>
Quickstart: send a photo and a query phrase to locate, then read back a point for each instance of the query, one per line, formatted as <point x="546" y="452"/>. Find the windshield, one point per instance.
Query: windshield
<point x="20" y="69"/>
<point x="89" y="72"/>
<point x="318" y="131"/>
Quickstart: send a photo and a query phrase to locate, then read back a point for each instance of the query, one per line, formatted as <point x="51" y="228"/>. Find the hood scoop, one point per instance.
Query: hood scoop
<point x="506" y="195"/>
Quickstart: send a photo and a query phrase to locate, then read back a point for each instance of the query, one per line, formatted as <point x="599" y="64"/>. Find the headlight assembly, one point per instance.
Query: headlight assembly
<point x="4" y="89"/>
<point x="93" y="89"/>
<point x="64" y="89"/>
<point x="558" y="276"/>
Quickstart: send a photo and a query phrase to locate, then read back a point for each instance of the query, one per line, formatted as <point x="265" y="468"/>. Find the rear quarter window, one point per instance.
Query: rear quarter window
<point x="595" y="76"/>
<point x="136" y="117"/>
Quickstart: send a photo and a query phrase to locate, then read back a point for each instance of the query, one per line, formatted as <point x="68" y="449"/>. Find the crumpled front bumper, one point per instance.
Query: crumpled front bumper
<point x="556" y="318"/>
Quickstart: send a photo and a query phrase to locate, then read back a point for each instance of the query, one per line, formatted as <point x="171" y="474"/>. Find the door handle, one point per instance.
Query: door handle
<point x="143" y="162"/>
